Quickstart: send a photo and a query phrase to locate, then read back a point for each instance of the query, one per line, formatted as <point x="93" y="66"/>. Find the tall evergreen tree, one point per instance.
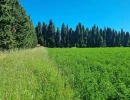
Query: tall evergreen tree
<point x="98" y="38"/>
<point x="85" y="37"/>
<point x="39" y="34"/>
<point x="93" y="36"/>
<point x="63" y="35"/>
<point x="104" y="37"/>
<point x="108" y="37"/>
<point x="16" y="28"/>
<point x="114" y="38"/>
<point x="51" y="35"/>
<point x="7" y="41"/>
<point x="122" y="37"/>
<point x="79" y="35"/>
<point x="44" y="32"/>
<point x="118" y="39"/>
<point x="81" y="41"/>
<point x="89" y="38"/>
<point x="127" y="39"/>
<point x="71" y="37"/>
<point x="25" y="32"/>
<point x="57" y="38"/>
<point x="67" y="36"/>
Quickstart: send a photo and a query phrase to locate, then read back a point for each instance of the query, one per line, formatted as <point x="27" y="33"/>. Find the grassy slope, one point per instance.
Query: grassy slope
<point x="29" y="74"/>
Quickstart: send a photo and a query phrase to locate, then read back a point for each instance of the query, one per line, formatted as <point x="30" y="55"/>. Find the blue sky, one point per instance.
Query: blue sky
<point x="104" y="13"/>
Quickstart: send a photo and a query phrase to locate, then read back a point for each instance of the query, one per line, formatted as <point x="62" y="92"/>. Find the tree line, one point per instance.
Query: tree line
<point x="49" y="36"/>
<point x="17" y="31"/>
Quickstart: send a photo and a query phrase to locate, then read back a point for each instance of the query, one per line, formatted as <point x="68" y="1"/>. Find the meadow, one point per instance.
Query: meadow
<point x="30" y="75"/>
<point x="95" y="73"/>
<point x="65" y="74"/>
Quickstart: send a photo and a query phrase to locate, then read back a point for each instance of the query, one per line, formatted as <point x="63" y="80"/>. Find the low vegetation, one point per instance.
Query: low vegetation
<point x="29" y="74"/>
<point x="95" y="74"/>
<point x="65" y="74"/>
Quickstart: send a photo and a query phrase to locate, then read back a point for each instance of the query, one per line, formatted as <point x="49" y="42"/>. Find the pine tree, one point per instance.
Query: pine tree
<point x="7" y="41"/>
<point x="108" y="37"/>
<point x="127" y="39"/>
<point x="85" y="37"/>
<point x="57" y="38"/>
<point x="70" y="37"/>
<point x="114" y="38"/>
<point x="39" y="34"/>
<point x="89" y="38"/>
<point x="101" y="38"/>
<point x="93" y="36"/>
<point x="118" y="39"/>
<point x="25" y="32"/>
<point x="51" y="35"/>
<point x="16" y="28"/>
<point x="81" y="41"/>
<point x="98" y="38"/>
<point x="44" y="32"/>
<point x="63" y="35"/>
<point x="67" y="37"/>
<point x="104" y="37"/>
<point x="122" y="37"/>
<point x="78" y="35"/>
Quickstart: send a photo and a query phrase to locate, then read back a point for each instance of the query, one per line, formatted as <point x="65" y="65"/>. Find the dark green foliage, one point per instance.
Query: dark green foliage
<point x="44" y="32"/>
<point x="71" y="37"/>
<point x="51" y="35"/>
<point x="7" y="40"/>
<point x="40" y="37"/>
<point x="16" y="28"/>
<point x="63" y="35"/>
<point x="83" y="37"/>
<point x="57" y="38"/>
<point x="6" y="35"/>
<point x="79" y="35"/>
<point x="127" y="39"/>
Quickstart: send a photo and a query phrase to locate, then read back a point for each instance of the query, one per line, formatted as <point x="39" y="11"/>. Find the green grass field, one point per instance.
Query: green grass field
<point x="30" y="75"/>
<point x="65" y="74"/>
<point x="95" y="73"/>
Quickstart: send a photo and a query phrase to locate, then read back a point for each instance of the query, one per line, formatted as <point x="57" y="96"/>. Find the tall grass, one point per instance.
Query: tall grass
<point x="30" y="75"/>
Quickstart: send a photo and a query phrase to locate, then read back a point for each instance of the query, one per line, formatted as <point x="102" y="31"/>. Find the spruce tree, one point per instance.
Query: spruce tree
<point x="78" y="35"/>
<point x="67" y="37"/>
<point x="16" y="28"/>
<point x="71" y="37"/>
<point x="122" y="37"/>
<point x="57" y="38"/>
<point x="51" y="35"/>
<point x="127" y="39"/>
<point x="114" y="38"/>
<point x="104" y="37"/>
<point x="44" y="32"/>
<point x="63" y="35"/>
<point x="85" y="37"/>
<point x="7" y="40"/>
<point x="39" y="34"/>
<point x="93" y="36"/>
